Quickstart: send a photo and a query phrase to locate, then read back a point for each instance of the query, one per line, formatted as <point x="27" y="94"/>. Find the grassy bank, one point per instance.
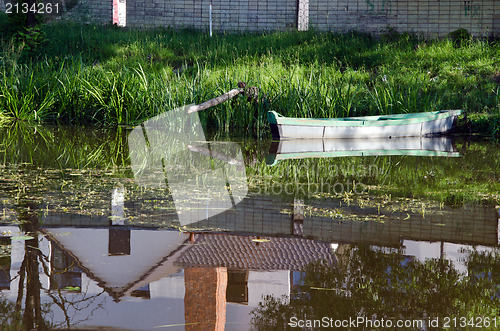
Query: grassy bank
<point x="107" y="75"/>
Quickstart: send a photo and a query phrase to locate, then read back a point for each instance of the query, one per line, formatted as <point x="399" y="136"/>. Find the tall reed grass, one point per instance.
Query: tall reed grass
<point x="105" y="75"/>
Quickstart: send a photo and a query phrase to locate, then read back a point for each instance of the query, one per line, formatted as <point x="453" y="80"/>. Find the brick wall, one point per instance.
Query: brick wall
<point x="264" y="215"/>
<point x="471" y="225"/>
<point x="92" y="11"/>
<point x="468" y="225"/>
<point x="205" y="298"/>
<point x="428" y="17"/>
<point x="235" y="15"/>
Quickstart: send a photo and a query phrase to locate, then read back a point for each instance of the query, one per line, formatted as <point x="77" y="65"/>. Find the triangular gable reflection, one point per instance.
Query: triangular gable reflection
<point x="120" y="275"/>
<point x="204" y="178"/>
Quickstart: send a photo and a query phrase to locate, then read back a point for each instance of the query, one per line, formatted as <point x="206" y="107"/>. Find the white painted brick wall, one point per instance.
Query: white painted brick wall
<point x="428" y="17"/>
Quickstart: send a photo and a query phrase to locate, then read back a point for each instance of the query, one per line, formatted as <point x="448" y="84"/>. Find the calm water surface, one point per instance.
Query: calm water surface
<point x="150" y="228"/>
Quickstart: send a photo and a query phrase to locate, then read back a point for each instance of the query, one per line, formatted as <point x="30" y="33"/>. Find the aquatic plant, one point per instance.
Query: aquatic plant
<point x="112" y="76"/>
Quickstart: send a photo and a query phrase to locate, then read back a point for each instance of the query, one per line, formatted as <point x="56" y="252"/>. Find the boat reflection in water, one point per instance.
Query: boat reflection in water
<point x="313" y="148"/>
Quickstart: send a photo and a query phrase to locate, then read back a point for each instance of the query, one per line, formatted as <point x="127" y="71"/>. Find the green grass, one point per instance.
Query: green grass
<point x="99" y="74"/>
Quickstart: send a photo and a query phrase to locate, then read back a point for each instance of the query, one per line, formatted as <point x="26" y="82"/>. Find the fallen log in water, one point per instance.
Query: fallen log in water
<point x="252" y="94"/>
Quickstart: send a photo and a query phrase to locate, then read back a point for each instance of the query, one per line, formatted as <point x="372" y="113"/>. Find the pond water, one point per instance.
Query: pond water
<point x="173" y="228"/>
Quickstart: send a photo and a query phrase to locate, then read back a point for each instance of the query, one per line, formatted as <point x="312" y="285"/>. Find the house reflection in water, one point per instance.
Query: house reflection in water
<point x="223" y="268"/>
<point x="65" y="272"/>
<point x="217" y="279"/>
<point x="206" y="271"/>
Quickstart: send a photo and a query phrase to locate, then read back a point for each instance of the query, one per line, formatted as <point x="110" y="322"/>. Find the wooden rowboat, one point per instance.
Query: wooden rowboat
<point x="382" y="126"/>
<point x="287" y="149"/>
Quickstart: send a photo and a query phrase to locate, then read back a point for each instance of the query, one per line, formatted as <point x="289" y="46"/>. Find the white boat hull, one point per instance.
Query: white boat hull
<point x="438" y="126"/>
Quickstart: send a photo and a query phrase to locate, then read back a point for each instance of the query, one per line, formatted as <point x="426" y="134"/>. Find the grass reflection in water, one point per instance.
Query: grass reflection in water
<point x="76" y="169"/>
<point x="369" y="286"/>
